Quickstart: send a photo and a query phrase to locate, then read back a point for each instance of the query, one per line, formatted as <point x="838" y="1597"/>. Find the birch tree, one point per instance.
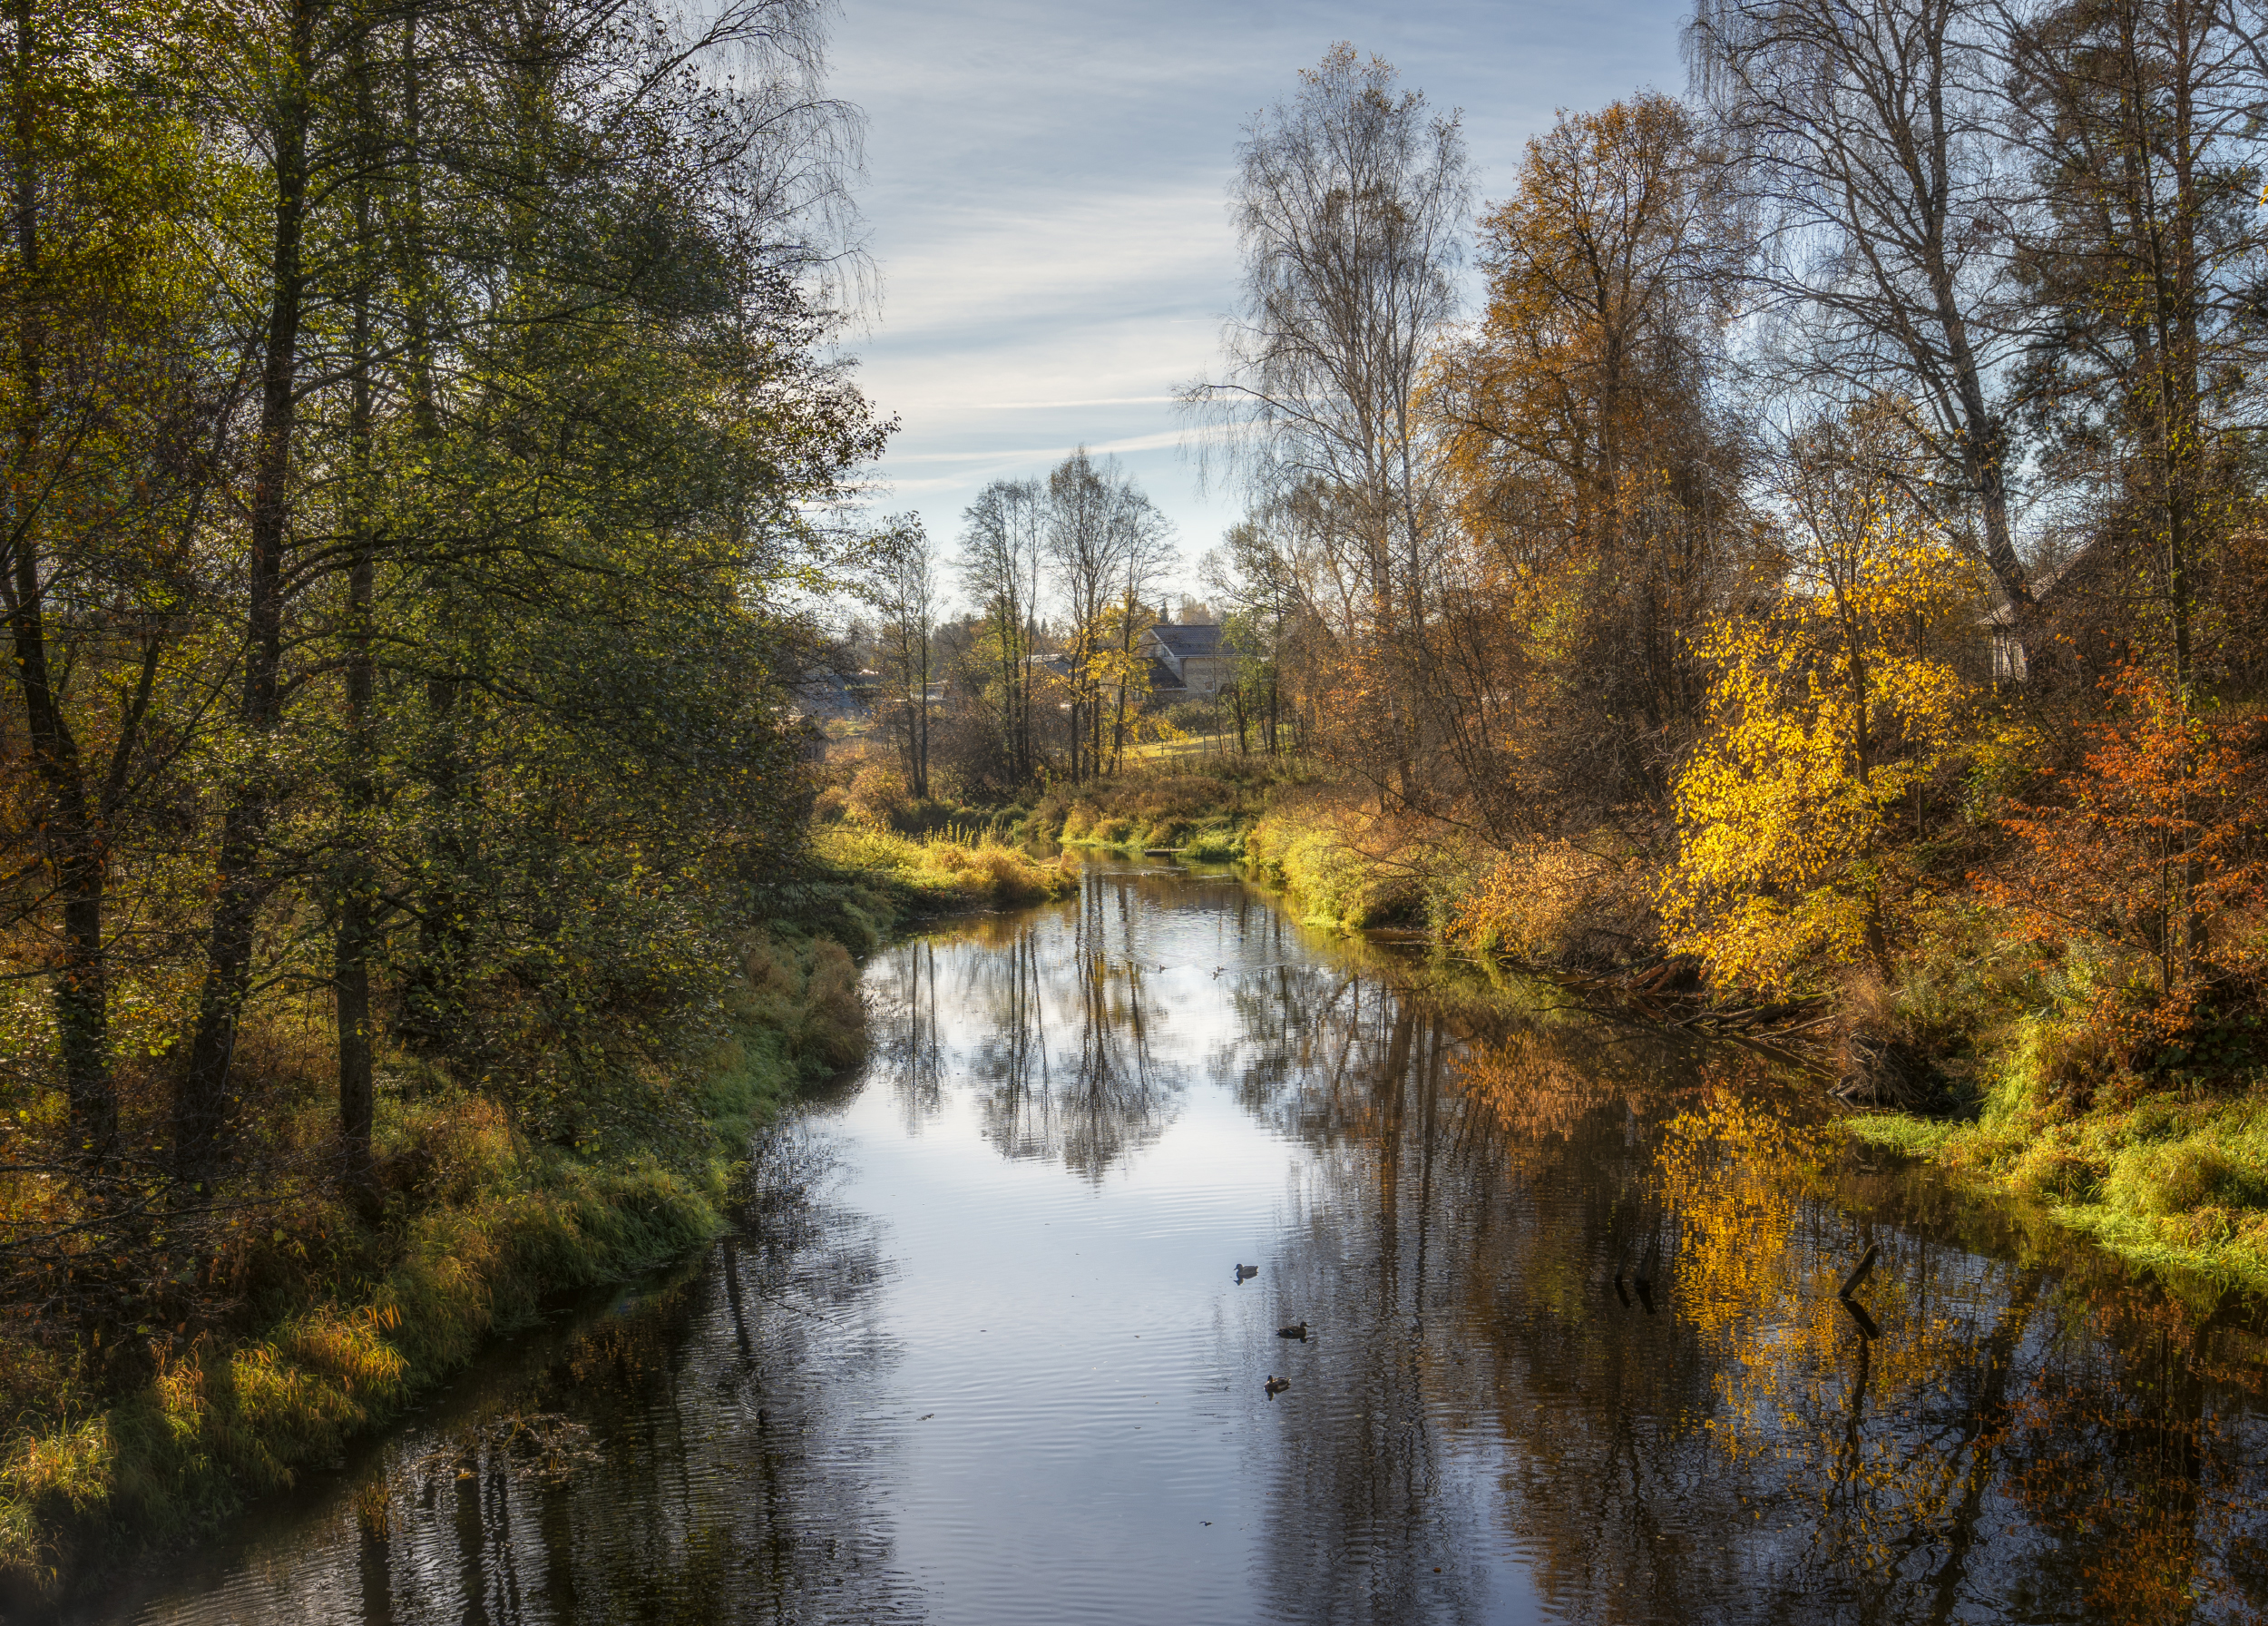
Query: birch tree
<point x="1870" y="137"/>
<point x="1349" y="204"/>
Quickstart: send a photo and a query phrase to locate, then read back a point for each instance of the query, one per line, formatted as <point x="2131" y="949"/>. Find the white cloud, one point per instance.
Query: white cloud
<point x="1046" y="199"/>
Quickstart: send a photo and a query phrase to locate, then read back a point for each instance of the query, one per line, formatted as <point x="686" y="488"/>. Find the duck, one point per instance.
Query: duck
<point x="1277" y="1386"/>
<point x="1298" y="1330"/>
<point x="1245" y="1272"/>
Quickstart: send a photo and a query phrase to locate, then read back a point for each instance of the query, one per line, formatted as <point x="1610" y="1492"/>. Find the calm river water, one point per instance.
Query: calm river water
<point x="980" y="1350"/>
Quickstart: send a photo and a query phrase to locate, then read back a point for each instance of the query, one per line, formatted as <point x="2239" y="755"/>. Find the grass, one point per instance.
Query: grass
<point x="1202" y="811"/>
<point x="946" y="870"/>
<point x="2166" y="1169"/>
<point x="1903" y="1133"/>
<point x="478" y="1225"/>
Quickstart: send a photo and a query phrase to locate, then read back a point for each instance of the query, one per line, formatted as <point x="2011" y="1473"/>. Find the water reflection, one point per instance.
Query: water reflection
<point x="1576" y="1348"/>
<point x="1060" y="1016"/>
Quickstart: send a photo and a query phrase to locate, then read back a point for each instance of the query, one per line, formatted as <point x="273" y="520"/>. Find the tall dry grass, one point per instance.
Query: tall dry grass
<point x="954" y="869"/>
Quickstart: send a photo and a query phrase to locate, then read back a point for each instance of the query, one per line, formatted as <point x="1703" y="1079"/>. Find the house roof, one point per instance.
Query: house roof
<point x="1187" y="637"/>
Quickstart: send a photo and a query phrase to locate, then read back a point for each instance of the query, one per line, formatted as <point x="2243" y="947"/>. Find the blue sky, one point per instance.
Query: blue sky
<point x="1045" y="198"/>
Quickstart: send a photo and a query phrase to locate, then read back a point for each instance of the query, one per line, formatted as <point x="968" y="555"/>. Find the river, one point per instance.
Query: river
<point x="980" y="1350"/>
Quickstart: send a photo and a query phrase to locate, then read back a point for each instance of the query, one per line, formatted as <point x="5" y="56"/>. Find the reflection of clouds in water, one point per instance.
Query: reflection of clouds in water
<point x="1060" y="1028"/>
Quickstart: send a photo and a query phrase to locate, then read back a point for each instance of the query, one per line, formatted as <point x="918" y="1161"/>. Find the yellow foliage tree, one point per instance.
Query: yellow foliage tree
<point x="1827" y="716"/>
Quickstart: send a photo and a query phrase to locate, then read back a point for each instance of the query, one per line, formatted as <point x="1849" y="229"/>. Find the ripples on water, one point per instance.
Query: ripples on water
<point x="977" y="1353"/>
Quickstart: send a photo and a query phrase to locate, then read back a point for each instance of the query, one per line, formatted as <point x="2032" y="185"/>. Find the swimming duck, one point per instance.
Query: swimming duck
<point x="1298" y="1330"/>
<point x="1277" y="1386"/>
<point x="1245" y="1272"/>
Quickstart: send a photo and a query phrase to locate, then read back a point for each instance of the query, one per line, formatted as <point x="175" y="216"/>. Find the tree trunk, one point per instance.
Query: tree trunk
<point x="70" y="822"/>
<point x="240" y="884"/>
<point x="352" y="944"/>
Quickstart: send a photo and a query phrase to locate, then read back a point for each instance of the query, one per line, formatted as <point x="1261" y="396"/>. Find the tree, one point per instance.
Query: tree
<point x="905" y="591"/>
<point x="2141" y="119"/>
<point x="1109" y="547"/>
<point x="421" y="440"/>
<point x="117" y="407"/>
<point x="1001" y="539"/>
<point x="1245" y="576"/>
<point x="1595" y="474"/>
<point x="1869" y="136"/>
<point x="1831" y="712"/>
<point x="1349" y="203"/>
<point x="2156" y="840"/>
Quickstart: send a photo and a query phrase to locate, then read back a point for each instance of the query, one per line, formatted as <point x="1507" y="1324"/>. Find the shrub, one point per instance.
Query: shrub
<point x="876" y="796"/>
<point x="2159" y="844"/>
<point x="1312" y="850"/>
<point x="1553" y="903"/>
<point x="834" y="1026"/>
<point x="1169" y="832"/>
<point x="951" y="869"/>
<point x="1216" y="846"/>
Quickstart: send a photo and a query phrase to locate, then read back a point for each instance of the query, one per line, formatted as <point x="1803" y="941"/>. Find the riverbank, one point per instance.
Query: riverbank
<point x="2172" y="1178"/>
<point x="2053" y="1080"/>
<point x="941" y="871"/>
<point x="375" y="1298"/>
<point x="1200" y="812"/>
<point x="471" y="1223"/>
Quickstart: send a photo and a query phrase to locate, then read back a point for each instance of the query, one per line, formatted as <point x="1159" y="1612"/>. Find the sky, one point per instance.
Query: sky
<point x="1045" y="199"/>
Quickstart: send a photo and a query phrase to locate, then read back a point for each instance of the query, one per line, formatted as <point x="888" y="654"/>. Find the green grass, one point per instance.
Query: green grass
<point x="2170" y="1179"/>
<point x="1902" y="1133"/>
<point x="1201" y="808"/>
<point x="480" y="1226"/>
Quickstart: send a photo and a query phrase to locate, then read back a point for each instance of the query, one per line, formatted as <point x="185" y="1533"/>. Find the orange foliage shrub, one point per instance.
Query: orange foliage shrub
<point x="1551" y="902"/>
<point x="2157" y="844"/>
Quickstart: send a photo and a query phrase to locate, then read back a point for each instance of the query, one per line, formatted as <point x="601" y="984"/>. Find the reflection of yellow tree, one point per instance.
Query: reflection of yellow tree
<point x="1743" y="1181"/>
<point x="2001" y="1437"/>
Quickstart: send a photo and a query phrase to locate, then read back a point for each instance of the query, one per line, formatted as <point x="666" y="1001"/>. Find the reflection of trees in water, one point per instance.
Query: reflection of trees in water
<point x="1050" y="1014"/>
<point x="1743" y="1452"/>
<point x="903" y="1041"/>
<point x="729" y="1470"/>
<point x="1366" y="1520"/>
<point x="1116" y="1096"/>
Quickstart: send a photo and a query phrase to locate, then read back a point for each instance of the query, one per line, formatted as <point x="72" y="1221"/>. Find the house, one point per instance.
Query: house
<point x="2074" y="603"/>
<point x="825" y="695"/>
<point x="1189" y="660"/>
